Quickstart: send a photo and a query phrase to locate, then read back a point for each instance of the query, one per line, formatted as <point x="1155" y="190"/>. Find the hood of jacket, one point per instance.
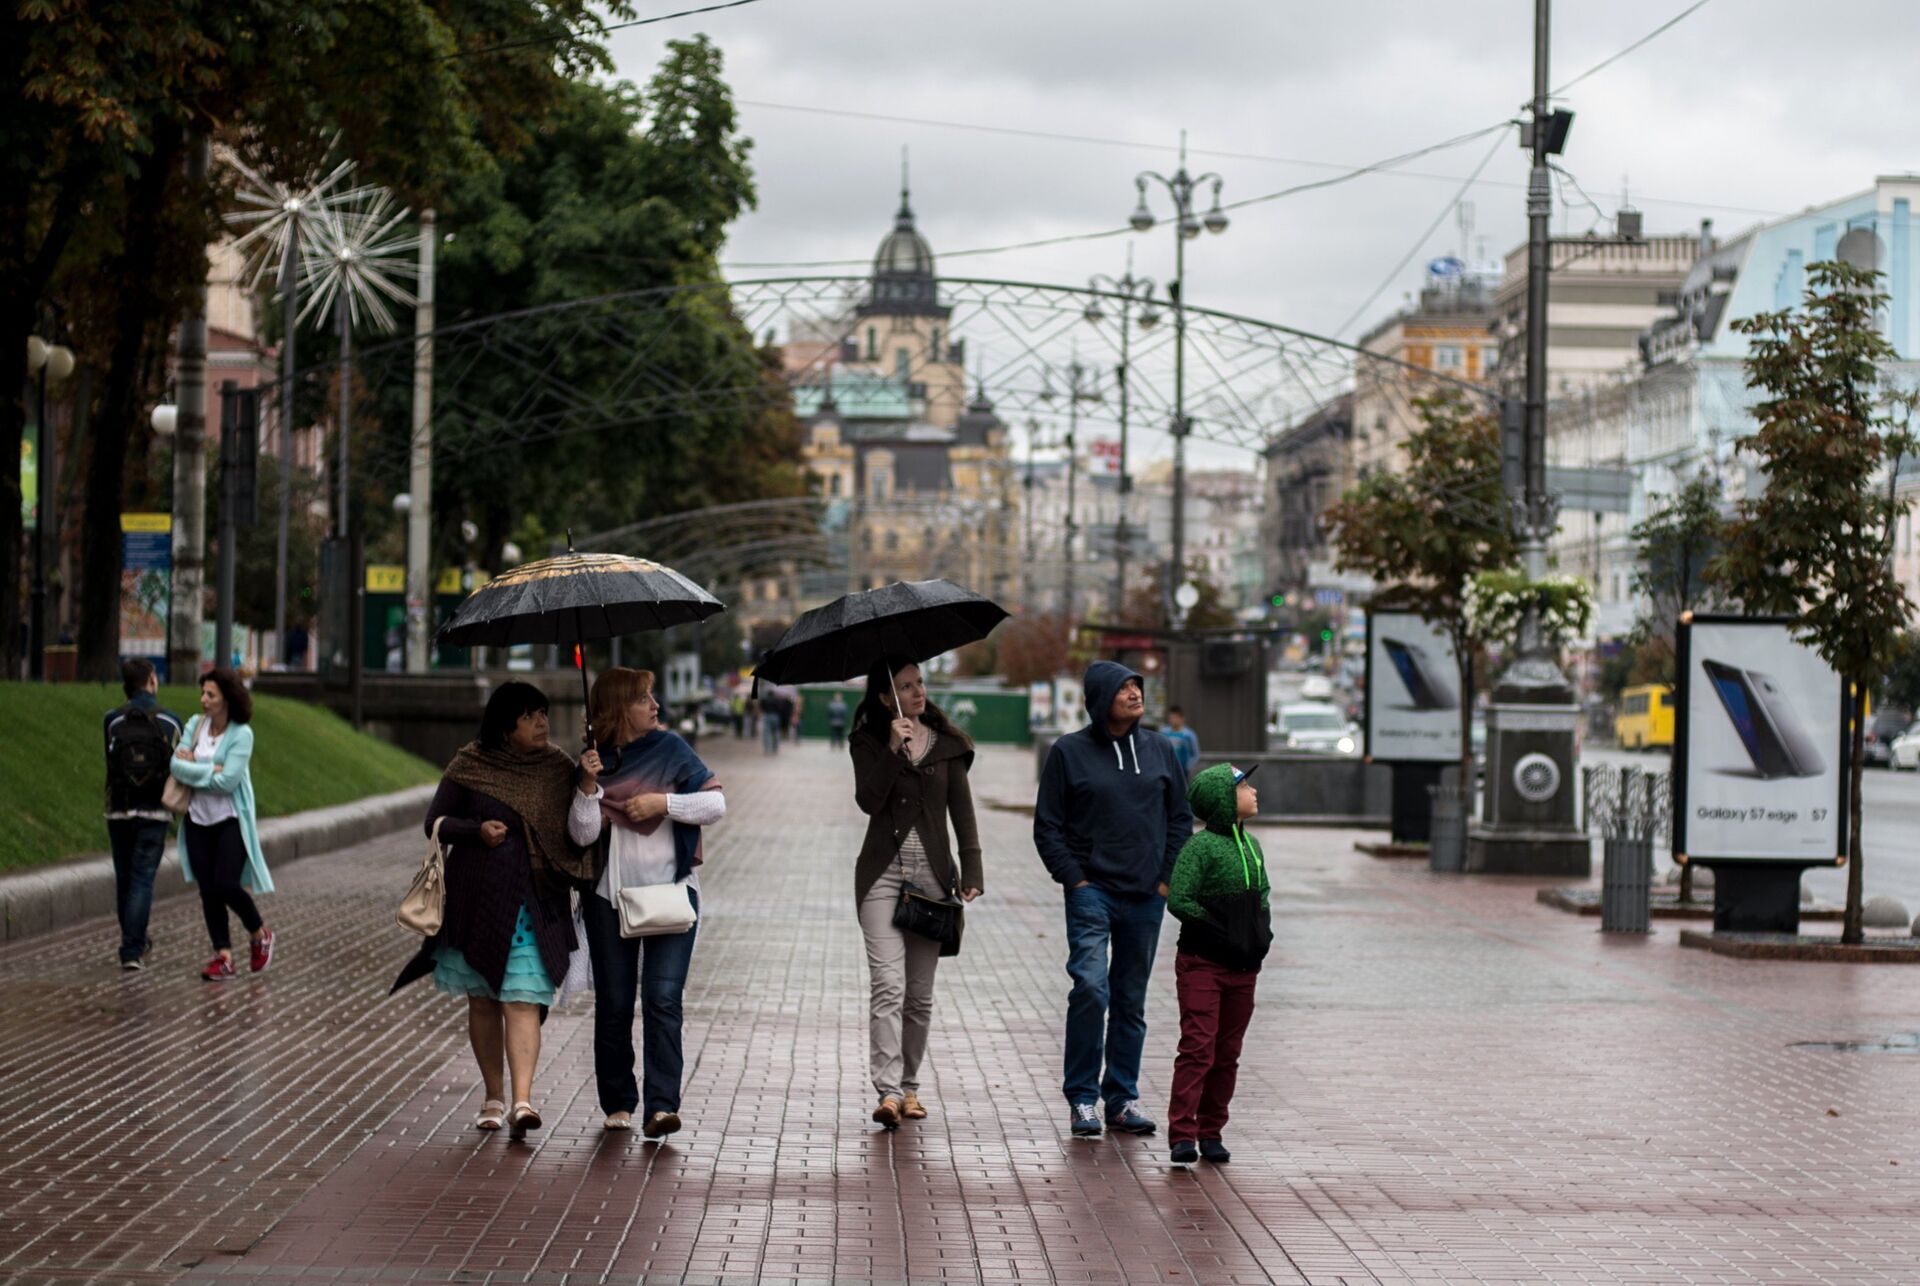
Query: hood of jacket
<point x="1215" y="798"/>
<point x="1102" y="684"/>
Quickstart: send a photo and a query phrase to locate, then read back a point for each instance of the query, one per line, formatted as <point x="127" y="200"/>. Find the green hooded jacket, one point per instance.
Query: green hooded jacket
<point x="1219" y="890"/>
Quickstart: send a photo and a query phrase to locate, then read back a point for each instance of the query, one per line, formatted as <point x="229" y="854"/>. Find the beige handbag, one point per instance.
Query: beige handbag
<point x="651" y="910"/>
<point x="176" y="796"/>
<point x="425" y="904"/>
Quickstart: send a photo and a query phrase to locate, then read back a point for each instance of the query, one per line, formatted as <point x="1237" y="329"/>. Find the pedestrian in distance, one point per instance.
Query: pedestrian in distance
<point x="644" y="823"/>
<point x="220" y="837"/>
<point x="1186" y="743"/>
<point x="1109" y="820"/>
<point x="140" y="739"/>
<point x="910" y="766"/>
<point x="772" y="719"/>
<point x="739" y="709"/>
<point x="503" y="808"/>
<point x="837" y="722"/>
<point x="1219" y="894"/>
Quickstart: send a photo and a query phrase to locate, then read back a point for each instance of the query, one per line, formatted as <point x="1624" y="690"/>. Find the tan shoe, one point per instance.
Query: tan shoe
<point x="888" y="1113"/>
<point x="619" y="1121"/>
<point x="661" y="1124"/>
<point x="912" y="1108"/>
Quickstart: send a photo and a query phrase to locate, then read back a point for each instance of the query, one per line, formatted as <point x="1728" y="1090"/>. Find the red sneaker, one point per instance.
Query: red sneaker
<point x="219" y="969"/>
<point x="263" y="950"/>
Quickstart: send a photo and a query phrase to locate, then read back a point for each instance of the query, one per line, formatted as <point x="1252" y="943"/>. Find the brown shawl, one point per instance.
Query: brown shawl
<point x="539" y="786"/>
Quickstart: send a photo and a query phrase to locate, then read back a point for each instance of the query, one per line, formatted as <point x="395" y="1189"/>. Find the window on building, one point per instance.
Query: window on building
<point x="833" y="485"/>
<point x="933" y="345"/>
<point x="1448" y="357"/>
<point x="873" y="343"/>
<point x="893" y="541"/>
<point x="902" y="364"/>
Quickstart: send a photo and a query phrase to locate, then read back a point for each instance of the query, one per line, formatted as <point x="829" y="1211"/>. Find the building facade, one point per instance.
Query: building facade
<point x="1440" y="339"/>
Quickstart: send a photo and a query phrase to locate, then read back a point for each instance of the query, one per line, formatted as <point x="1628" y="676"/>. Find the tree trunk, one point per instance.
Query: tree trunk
<point x="1463" y="659"/>
<point x="135" y="323"/>
<point x="1852" y="931"/>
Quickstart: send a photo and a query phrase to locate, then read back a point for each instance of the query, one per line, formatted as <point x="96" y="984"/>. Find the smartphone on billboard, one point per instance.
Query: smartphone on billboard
<point x="1774" y="738"/>
<point x="1421" y="678"/>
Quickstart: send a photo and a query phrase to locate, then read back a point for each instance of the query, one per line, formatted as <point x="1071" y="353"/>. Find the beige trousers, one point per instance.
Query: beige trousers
<point x="900" y="976"/>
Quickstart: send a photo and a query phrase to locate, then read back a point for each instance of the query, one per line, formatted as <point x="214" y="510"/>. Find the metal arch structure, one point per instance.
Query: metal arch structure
<point x="601" y="365"/>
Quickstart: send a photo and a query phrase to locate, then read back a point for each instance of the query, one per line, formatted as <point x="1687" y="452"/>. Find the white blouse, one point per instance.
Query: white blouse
<point x="634" y="859"/>
<point x="209" y="807"/>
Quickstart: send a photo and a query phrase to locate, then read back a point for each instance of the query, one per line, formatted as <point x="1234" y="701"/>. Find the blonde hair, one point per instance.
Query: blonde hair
<point x="613" y="692"/>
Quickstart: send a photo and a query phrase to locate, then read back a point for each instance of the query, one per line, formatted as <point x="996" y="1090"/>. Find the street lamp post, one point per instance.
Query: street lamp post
<point x="1078" y="391"/>
<point x="1186" y="226"/>
<point x="1132" y="290"/>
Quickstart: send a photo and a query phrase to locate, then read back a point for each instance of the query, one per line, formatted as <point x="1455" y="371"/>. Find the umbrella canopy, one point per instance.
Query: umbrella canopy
<point x="849" y="636"/>
<point x="574" y="598"/>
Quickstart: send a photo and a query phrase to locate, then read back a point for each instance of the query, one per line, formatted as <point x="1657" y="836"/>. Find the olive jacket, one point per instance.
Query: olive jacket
<point x="897" y="795"/>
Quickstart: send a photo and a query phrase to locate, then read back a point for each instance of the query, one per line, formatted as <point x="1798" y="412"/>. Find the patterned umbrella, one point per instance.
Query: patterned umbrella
<point x="575" y="598"/>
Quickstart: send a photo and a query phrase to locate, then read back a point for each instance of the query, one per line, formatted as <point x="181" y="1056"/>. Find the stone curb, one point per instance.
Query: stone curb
<point x="1664" y="904"/>
<point x="40" y="901"/>
<point x="1787" y="946"/>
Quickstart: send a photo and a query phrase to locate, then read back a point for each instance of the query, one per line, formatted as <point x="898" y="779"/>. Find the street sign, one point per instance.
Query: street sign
<point x="1186" y="596"/>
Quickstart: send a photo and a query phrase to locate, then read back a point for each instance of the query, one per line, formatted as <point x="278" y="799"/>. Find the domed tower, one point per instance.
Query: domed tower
<point x="900" y="331"/>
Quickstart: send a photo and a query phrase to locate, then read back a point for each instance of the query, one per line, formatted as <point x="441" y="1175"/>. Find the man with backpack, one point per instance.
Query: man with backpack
<point x="140" y="740"/>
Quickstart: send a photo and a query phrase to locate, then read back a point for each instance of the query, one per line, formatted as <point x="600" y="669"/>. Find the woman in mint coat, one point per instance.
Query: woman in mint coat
<point x="219" y="840"/>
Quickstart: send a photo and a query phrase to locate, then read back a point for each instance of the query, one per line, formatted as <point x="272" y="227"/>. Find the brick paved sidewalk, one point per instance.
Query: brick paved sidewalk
<point x="1444" y="1082"/>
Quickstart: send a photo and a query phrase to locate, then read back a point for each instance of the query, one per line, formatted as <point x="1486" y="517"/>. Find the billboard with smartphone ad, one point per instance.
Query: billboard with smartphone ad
<point x="1413" y="691"/>
<point x="1759" y="744"/>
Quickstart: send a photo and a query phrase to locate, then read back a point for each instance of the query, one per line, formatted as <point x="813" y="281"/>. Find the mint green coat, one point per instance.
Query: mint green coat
<point x="236" y="752"/>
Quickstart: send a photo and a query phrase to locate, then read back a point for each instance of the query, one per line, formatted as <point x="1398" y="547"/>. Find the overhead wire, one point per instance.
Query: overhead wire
<point x="1418" y="244"/>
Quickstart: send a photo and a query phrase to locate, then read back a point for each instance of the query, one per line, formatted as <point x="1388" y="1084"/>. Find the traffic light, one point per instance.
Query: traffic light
<point x="1279" y="600"/>
<point x="1326" y="636"/>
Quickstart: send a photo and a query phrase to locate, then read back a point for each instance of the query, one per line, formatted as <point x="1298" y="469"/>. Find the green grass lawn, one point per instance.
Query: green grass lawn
<point x="53" y="771"/>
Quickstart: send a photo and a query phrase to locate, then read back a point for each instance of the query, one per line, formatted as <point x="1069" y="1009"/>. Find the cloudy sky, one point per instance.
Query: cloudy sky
<point x="1744" y="109"/>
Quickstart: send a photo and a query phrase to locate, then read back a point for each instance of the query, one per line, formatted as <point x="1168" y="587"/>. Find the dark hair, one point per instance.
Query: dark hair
<point x="239" y="700"/>
<point x="134" y="673"/>
<point x="874" y="712"/>
<point x="1171" y="710"/>
<point x="510" y="702"/>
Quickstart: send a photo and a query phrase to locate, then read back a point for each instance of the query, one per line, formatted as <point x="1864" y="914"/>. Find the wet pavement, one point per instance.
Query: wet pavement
<point x="1444" y="1082"/>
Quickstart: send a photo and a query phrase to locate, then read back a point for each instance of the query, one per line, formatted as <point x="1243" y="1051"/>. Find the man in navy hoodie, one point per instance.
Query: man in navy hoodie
<point x="1110" y="819"/>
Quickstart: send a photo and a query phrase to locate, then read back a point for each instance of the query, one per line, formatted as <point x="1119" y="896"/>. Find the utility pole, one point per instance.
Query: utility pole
<point x="420" y="465"/>
<point x="186" y="596"/>
<point x="290" y="293"/>
<point x="1075" y="395"/>
<point x="1132" y="290"/>
<point x="1528" y="818"/>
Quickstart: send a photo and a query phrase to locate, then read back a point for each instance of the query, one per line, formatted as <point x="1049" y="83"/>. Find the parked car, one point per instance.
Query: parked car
<point x="1904" y="750"/>
<point x="1317" y="726"/>
<point x="1882" y="729"/>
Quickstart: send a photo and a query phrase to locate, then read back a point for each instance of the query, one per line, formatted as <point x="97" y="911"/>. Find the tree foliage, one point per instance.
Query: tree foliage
<point x="1676" y="543"/>
<point x="1816" y="544"/>
<point x="1032" y="647"/>
<point x="1426" y="531"/>
<point x="622" y="190"/>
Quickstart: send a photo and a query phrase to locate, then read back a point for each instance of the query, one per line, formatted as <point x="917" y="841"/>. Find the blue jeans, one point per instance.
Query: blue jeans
<point x="138" y="846"/>
<point x="769" y="734"/>
<point x="1111" y="940"/>
<point x="656" y="970"/>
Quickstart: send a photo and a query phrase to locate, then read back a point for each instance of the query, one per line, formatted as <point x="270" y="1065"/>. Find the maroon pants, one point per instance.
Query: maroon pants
<point x="1215" y="1005"/>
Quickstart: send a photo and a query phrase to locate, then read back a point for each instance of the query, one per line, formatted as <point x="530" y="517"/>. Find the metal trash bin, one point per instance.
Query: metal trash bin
<point x="1628" y="807"/>
<point x="1447" y="839"/>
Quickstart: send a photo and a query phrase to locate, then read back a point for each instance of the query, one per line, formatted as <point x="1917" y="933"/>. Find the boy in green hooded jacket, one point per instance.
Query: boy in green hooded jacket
<point x="1219" y="893"/>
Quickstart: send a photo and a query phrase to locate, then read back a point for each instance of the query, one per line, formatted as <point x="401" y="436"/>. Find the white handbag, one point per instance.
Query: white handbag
<point x="425" y="904"/>
<point x="650" y="910"/>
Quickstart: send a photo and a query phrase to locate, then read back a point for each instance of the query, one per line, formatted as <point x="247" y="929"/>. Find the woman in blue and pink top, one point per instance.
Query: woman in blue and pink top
<point x="644" y="821"/>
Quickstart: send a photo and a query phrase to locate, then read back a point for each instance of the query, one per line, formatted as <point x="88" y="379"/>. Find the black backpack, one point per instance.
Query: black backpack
<point x="137" y="759"/>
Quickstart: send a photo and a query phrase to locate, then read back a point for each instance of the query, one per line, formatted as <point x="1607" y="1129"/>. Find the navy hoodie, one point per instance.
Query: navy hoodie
<point x="1111" y="809"/>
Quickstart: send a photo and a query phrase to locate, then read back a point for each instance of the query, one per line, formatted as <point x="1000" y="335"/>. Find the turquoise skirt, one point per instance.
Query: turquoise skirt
<point x="525" y="982"/>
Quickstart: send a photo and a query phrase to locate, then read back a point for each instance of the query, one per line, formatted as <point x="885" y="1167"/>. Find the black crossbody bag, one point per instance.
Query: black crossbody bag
<point x="940" y="919"/>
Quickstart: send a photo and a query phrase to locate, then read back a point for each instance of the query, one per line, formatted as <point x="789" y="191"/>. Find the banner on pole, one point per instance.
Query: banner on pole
<point x="146" y="586"/>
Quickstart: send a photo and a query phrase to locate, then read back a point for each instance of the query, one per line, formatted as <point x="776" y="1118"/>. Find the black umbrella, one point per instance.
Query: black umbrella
<point x="574" y="598"/>
<point x="849" y="636"/>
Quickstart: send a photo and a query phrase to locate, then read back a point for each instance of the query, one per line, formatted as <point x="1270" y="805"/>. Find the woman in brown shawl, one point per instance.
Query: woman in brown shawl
<point x="507" y="930"/>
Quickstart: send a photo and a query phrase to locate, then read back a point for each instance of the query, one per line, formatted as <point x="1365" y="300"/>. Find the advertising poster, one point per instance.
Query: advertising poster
<point x="1758" y="744"/>
<point x="1040" y="704"/>
<point x="1413" y="691"/>
<point x="146" y="586"/>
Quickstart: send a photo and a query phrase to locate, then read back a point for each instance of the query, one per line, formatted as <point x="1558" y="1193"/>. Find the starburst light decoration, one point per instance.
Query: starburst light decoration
<point x="359" y="251"/>
<point x="270" y="211"/>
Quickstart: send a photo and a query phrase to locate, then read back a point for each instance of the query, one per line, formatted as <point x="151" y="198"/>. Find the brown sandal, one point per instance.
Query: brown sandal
<point x="888" y="1113"/>
<point x="912" y="1108"/>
